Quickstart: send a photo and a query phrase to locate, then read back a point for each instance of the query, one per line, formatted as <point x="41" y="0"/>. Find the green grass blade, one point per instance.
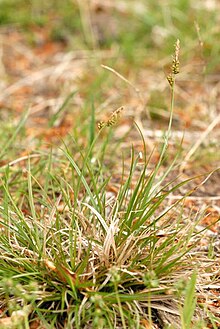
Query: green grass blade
<point x="189" y="303"/>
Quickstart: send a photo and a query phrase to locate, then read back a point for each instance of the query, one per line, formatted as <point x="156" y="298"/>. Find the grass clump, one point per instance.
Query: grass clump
<point x="74" y="255"/>
<point x="80" y="257"/>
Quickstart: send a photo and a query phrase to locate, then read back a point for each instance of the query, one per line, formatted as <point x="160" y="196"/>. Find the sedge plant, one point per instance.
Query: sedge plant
<point x="74" y="255"/>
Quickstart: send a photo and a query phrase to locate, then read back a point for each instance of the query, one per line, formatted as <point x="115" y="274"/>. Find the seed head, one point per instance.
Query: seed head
<point x="170" y="79"/>
<point x="176" y="63"/>
<point x="112" y="119"/>
<point x="175" y="68"/>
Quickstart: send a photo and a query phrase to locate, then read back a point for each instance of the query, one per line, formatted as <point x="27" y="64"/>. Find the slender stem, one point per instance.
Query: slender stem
<point x="171" y="109"/>
<point x="120" y="307"/>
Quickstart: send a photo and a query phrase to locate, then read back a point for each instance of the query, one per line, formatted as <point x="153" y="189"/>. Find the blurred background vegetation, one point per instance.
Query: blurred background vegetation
<point x="140" y="28"/>
<point x="136" y="38"/>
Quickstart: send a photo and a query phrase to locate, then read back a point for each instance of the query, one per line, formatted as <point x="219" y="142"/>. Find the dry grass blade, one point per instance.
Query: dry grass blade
<point x="137" y="90"/>
<point x="203" y="136"/>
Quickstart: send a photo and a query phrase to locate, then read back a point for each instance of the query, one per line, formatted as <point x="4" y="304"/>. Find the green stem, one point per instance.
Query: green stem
<point x="171" y="110"/>
<point x="120" y="307"/>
